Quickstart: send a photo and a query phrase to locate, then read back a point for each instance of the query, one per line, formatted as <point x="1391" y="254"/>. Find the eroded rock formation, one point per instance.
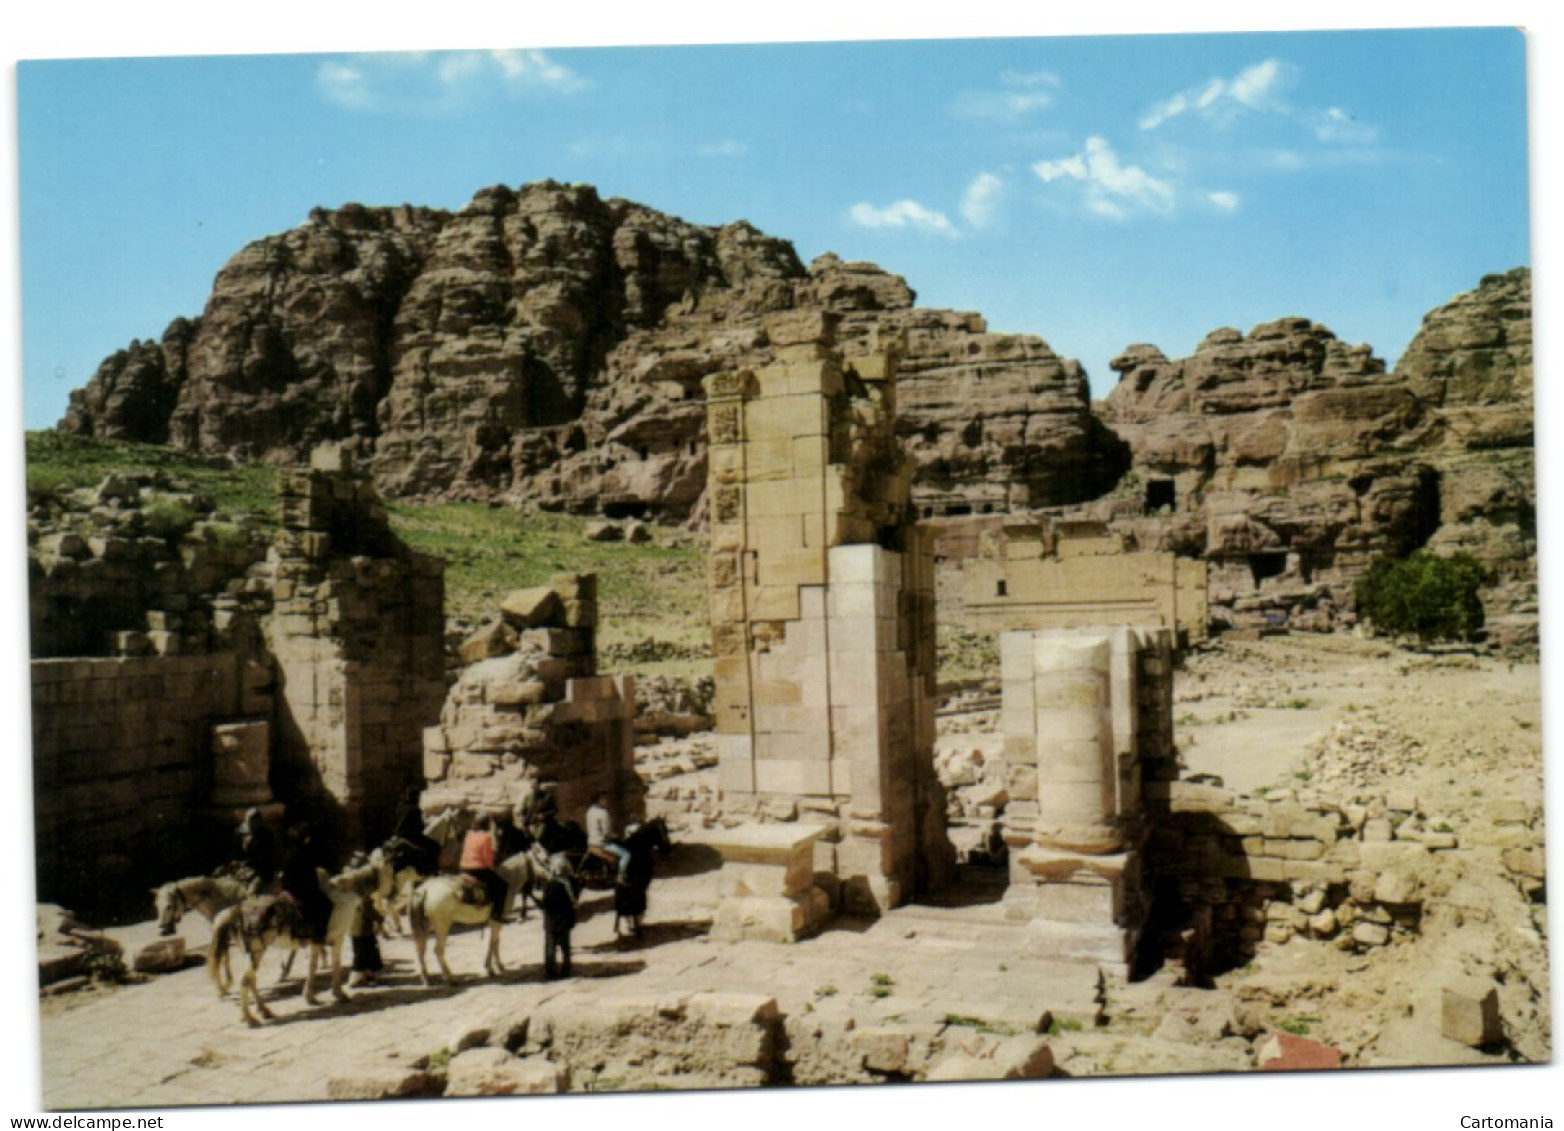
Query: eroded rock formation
<point x="545" y="346"/>
<point x="1288" y="459"/>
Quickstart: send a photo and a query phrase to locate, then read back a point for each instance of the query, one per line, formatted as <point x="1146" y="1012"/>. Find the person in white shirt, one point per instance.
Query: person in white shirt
<point x="600" y="833"/>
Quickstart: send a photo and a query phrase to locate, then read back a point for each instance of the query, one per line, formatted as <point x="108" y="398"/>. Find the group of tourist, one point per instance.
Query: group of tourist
<point x="291" y="867"/>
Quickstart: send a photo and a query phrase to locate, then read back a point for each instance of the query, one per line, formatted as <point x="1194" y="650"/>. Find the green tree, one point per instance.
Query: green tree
<point x="1423" y="595"/>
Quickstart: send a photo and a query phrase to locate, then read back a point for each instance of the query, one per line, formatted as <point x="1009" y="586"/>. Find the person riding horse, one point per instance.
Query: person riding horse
<point x="600" y="835"/>
<point x="479" y="851"/>
<point x="301" y="880"/>
<point x="256" y="847"/>
<point x="409" y="826"/>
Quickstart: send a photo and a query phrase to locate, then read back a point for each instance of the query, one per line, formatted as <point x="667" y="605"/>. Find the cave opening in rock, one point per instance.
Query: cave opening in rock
<point x="626" y="509"/>
<point x="1262" y="566"/>
<point x="1160" y="493"/>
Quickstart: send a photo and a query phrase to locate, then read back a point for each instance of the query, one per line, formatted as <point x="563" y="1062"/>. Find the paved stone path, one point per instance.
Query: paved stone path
<point x="171" y="1041"/>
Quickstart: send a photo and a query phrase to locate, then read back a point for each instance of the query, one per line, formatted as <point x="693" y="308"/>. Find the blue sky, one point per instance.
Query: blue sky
<point x="1097" y="191"/>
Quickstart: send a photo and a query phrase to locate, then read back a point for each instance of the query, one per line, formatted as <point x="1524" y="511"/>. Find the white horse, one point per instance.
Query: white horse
<point x="260" y="922"/>
<point x="436" y="906"/>
<point x="203" y="894"/>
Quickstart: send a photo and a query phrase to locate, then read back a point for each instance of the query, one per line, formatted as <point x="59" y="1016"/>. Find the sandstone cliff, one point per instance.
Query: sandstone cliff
<point x="545" y="346"/>
<point x="1288" y="459"/>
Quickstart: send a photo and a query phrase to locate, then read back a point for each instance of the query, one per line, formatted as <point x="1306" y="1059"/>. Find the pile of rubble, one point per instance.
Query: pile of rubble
<point x="139" y="564"/>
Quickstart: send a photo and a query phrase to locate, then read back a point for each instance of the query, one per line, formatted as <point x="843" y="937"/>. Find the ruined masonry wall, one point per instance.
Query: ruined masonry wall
<point x="528" y="701"/>
<point x="121" y="764"/>
<point x="821" y="597"/>
<point x="357" y="633"/>
<point x="1085" y="582"/>
<point x="1241" y="869"/>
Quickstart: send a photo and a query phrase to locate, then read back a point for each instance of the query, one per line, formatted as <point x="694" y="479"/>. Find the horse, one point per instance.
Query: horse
<point x="263" y="921"/>
<point x="405" y="864"/>
<point x="437" y="906"/>
<point x="644" y="842"/>
<point x="205" y="894"/>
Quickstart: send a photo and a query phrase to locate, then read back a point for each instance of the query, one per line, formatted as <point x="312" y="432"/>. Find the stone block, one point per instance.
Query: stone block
<point x="159" y="956"/>
<point x="495" y="1072"/>
<point x="530" y="608"/>
<point x="380" y="1082"/>
<point x="731" y="1010"/>
<point x="882" y="1049"/>
<point x="1469" y="1012"/>
<point x="1283" y="1052"/>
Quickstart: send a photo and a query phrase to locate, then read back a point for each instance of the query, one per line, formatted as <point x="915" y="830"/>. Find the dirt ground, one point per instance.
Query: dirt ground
<point x="1341" y="717"/>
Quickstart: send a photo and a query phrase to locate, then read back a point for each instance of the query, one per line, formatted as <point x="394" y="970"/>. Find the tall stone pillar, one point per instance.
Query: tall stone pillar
<point x="1070" y="708"/>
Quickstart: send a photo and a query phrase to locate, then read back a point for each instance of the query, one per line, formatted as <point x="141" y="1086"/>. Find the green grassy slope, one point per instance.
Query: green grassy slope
<point x="652" y="596"/>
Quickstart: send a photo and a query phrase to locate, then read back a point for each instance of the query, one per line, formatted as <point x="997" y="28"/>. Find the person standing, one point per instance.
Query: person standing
<point x="362" y="934"/>
<point x="559" y="918"/>
<point x="301" y="880"/>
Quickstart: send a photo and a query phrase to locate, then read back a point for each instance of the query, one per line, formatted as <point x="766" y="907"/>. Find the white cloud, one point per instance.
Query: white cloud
<point x="1225" y="201"/>
<point x="345" y="85"/>
<point x="902" y="214"/>
<point x="1111" y="188"/>
<point x="1259" y="87"/>
<point x="438" y="81"/>
<point x="1337" y="126"/>
<point x="1256" y="86"/>
<point x="1021" y="94"/>
<point x="980" y="202"/>
<point x="724" y="148"/>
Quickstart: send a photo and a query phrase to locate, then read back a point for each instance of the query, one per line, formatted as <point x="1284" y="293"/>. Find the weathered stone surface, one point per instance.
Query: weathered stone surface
<point x="374" y="1082"/>
<point x="159" y="956"/>
<point x="1288" y="459"/>
<point x="1283" y="1052"/>
<point x="1469" y="1012"/>
<point x="495" y="1072"/>
<point x="547" y="346"/>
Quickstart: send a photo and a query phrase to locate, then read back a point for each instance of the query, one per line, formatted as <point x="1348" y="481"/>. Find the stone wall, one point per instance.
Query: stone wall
<point x="122" y="769"/>
<point x="357" y="633"/>
<point x="1232" y="870"/>
<point x="1074" y="575"/>
<point x="248" y="669"/>
<point x="139" y="564"/>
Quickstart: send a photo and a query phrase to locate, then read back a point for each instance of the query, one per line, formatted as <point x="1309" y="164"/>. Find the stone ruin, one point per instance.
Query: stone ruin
<point x="529" y="704"/>
<point x="1087" y="717"/>
<point x="356" y="633"/>
<point x="821" y="589"/>
<point x="191" y="667"/>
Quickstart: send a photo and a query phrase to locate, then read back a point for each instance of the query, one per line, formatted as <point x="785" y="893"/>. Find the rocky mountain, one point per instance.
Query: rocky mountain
<point x="1288" y="459"/>
<point x="545" y="347"/>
